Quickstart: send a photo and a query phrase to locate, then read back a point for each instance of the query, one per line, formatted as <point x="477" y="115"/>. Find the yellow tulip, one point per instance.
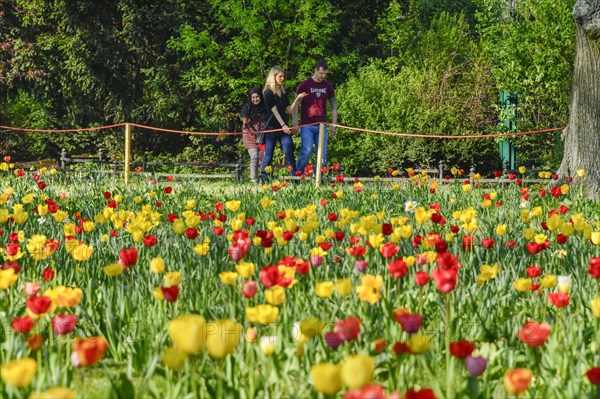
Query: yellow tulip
<point x="263" y="314"/>
<point x="171" y="279"/>
<point x="7" y="278"/>
<point x="580" y="172"/>
<point x="564" y="189"/>
<point x="548" y="281"/>
<point x="419" y="343"/>
<point x="567" y="229"/>
<point x="275" y="295"/>
<point x="522" y="284"/>
<point x="233" y="206"/>
<point x="343" y="287"/>
<point x="174" y="358"/>
<point x="55" y="393"/>
<point x="311" y="327"/>
<point x="18" y="373"/>
<point x="370" y="288"/>
<point x="324" y="289"/>
<point x="528" y="233"/>
<point x="522" y="169"/>
<point x="554" y="222"/>
<point x="357" y="371"/>
<point x="595" y="303"/>
<point x="67" y="296"/>
<point x="222" y="337"/>
<point x="501" y="229"/>
<point x="202" y="249"/>
<point x="113" y="270"/>
<point x="326" y="377"/>
<point x="82" y="252"/>
<point x="539" y="238"/>
<point x="188" y="333"/>
<point x="228" y="278"/>
<point x="157" y="265"/>
<point x="595" y="237"/>
<point x="245" y="269"/>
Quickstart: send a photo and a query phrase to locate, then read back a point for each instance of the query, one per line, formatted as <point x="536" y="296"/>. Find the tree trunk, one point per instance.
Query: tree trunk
<point x="582" y="134"/>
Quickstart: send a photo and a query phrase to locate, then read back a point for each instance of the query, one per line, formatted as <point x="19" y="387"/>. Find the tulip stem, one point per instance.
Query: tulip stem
<point x="421" y="300"/>
<point x="448" y="335"/>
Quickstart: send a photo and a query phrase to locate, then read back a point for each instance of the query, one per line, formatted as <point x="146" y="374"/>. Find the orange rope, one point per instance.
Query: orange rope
<point x="480" y="136"/>
<point x="61" y="130"/>
<point x="208" y="133"/>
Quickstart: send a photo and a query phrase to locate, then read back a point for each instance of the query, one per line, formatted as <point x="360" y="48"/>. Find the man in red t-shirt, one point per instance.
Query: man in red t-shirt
<point x="317" y="92"/>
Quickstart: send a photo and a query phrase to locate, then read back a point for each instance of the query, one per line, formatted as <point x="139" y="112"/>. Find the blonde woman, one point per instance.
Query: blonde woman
<point x="278" y="104"/>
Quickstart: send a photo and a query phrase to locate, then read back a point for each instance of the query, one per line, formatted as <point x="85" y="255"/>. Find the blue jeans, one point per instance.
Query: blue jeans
<point x="287" y="146"/>
<point x="310" y="138"/>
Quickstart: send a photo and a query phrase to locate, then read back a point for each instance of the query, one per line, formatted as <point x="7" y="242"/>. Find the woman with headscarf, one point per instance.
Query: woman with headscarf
<point x="254" y="114"/>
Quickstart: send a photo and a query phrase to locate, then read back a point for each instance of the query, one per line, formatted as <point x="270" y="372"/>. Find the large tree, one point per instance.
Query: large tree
<point x="582" y="134"/>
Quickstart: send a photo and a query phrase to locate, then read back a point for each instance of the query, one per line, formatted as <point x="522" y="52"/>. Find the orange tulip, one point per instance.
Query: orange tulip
<point x="88" y="350"/>
<point x="517" y="381"/>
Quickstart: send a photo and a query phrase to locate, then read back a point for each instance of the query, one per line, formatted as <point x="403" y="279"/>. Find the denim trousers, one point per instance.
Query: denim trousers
<point x="287" y="146"/>
<point x="310" y="137"/>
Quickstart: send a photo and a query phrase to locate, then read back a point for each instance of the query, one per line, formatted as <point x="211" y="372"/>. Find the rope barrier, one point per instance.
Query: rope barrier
<point x="23" y="129"/>
<point x="479" y="136"/>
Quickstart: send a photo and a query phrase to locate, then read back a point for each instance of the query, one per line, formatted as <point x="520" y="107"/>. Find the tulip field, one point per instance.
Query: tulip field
<point x="403" y="288"/>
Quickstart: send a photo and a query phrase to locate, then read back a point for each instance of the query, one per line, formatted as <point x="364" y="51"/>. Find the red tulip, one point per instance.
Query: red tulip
<point x="445" y="280"/>
<point x="128" y="257"/>
<point x="150" y="240"/>
<point x="192" y="233"/>
<point x="249" y="289"/>
<point x="387" y="229"/>
<point x="533" y="271"/>
<point x="558" y="299"/>
<point x="446" y="261"/>
<point x="389" y="249"/>
<point x="38" y="304"/>
<point x="467" y="243"/>
<point x="594" y="269"/>
<point x="348" y="329"/>
<point x="488" y="243"/>
<point x="423" y="393"/>
<point x="397" y="268"/>
<point x="410" y="322"/>
<point x="593" y="375"/>
<point x="48" y="274"/>
<point x="64" y="323"/>
<point x="22" y="324"/>
<point x="371" y="391"/>
<point x="462" y="348"/>
<point x="534" y="334"/>
<point x="170" y="293"/>
<point x="421" y="278"/>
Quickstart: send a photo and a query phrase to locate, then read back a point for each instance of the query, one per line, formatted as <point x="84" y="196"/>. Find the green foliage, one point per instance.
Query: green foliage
<point x="531" y="48"/>
<point x="447" y="91"/>
<point x="418" y="66"/>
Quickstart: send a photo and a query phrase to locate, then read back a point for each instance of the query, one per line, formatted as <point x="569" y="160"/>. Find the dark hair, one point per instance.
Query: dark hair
<point x="321" y="64"/>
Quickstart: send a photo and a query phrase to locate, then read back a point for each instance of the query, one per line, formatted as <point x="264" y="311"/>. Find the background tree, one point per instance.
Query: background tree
<point x="582" y="135"/>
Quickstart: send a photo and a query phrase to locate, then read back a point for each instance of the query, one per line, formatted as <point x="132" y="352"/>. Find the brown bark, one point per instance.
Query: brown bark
<point x="582" y="134"/>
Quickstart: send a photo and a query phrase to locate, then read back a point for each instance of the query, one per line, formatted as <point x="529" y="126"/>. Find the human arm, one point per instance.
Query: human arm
<point x="334" y="115"/>
<point x="294" y="109"/>
<point x="277" y="116"/>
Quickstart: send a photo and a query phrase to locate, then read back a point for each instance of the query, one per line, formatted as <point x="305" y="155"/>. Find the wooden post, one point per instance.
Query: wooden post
<point x="319" y="160"/>
<point x="127" y="152"/>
